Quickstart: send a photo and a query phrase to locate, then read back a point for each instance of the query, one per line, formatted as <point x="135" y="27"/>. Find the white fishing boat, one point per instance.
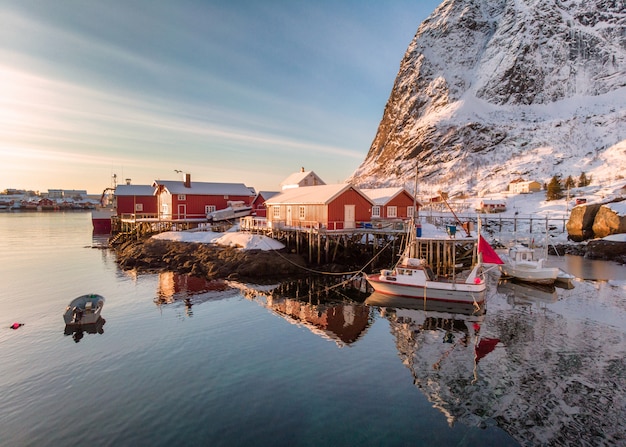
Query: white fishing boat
<point x="234" y="210"/>
<point x="84" y="310"/>
<point x="412" y="277"/>
<point x="522" y="263"/>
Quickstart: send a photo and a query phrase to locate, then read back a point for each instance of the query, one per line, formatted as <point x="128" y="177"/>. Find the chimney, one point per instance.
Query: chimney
<point x="302" y="169"/>
<point x="187" y="180"/>
<point x="128" y="181"/>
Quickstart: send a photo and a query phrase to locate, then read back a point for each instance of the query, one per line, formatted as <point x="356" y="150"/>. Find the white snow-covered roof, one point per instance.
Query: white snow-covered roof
<point x="382" y="196"/>
<point x="134" y="190"/>
<point x="205" y="188"/>
<point x="312" y="195"/>
<point x="296" y="178"/>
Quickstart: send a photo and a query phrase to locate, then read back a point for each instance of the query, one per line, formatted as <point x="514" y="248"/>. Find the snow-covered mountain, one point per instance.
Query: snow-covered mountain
<point x="493" y="90"/>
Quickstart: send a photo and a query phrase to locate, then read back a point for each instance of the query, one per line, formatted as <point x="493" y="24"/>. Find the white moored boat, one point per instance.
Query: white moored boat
<point x="520" y="263"/>
<point x="234" y="210"/>
<point x="412" y="277"/>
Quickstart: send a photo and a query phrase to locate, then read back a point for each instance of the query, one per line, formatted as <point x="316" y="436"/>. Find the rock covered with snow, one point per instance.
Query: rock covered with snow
<point x="244" y="241"/>
<point x="597" y="220"/>
<point x="491" y="90"/>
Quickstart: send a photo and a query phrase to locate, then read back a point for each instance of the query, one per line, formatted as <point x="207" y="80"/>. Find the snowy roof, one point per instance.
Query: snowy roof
<point x="267" y="194"/>
<point x="321" y="194"/>
<point x="134" y="190"/>
<point x="382" y="196"/>
<point x="205" y="188"/>
<point x="297" y="177"/>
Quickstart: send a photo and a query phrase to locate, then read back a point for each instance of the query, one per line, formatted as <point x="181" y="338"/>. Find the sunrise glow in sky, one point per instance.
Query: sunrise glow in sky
<point x="230" y="91"/>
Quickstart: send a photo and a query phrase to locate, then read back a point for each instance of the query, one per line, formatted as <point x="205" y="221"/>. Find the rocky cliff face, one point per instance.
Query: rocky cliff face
<point x="492" y="90"/>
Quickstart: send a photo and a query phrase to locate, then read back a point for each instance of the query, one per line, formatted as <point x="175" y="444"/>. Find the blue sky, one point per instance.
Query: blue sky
<point x="229" y="91"/>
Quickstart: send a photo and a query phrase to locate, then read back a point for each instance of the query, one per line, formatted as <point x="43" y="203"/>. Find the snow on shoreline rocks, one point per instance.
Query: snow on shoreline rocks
<point x="235" y="256"/>
<point x="244" y="241"/>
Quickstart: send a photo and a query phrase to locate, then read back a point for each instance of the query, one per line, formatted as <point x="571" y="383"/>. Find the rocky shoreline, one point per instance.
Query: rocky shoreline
<point x="594" y="249"/>
<point x="207" y="260"/>
<point x="219" y="262"/>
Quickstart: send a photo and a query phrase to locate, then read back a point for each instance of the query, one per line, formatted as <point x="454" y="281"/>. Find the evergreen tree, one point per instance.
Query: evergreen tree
<point x="569" y="182"/>
<point x="555" y="189"/>
<point x="583" y="180"/>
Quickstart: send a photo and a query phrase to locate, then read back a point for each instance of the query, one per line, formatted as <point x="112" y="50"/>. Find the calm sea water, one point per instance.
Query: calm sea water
<point x="180" y="361"/>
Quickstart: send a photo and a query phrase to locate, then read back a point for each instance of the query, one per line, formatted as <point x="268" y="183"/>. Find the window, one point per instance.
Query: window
<point x="410" y="211"/>
<point x="276" y="211"/>
<point x="301" y="212"/>
<point x="392" y="211"/>
<point x="182" y="197"/>
<point x="139" y="207"/>
<point x="376" y="211"/>
<point x="209" y="209"/>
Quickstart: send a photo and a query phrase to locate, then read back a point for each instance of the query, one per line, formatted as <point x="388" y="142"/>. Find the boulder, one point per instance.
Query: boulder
<point x="580" y="224"/>
<point x="608" y="221"/>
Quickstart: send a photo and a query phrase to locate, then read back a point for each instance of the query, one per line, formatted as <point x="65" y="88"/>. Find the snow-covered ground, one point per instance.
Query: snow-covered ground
<point x="245" y="241"/>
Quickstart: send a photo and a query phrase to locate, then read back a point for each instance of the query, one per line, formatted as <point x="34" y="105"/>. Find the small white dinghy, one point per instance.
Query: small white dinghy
<point x="84" y="310"/>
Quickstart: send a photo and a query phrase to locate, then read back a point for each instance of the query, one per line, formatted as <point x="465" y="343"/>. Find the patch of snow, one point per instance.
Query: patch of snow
<point x="229" y="239"/>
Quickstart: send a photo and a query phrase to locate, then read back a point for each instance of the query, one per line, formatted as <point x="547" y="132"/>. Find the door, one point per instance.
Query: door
<point x="349" y="212"/>
<point x="182" y="211"/>
<point x="288" y="219"/>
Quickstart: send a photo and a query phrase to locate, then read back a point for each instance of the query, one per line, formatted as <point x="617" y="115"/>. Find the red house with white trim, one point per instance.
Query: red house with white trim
<point x="333" y="207"/>
<point x="258" y="204"/>
<point x="391" y="203"/>
<point x="136" y="201"/>
<point x="184" y="200"/>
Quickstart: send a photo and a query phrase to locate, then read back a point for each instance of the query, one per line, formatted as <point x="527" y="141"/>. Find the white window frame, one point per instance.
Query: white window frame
<point x="182" y="197"/>
<point x="376" y="211"/>
<point x="302" y="212"/>
<point x="410" y="211"/>
<point x="276" y="212"/>
<point x="392" y="211"/>
<point x="209" y="209"/>
<point x="139" y="207"/>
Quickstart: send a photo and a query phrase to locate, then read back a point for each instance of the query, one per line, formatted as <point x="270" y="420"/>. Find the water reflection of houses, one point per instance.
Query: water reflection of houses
<point x="312" y="306"/>
<point x="190" y="289"/>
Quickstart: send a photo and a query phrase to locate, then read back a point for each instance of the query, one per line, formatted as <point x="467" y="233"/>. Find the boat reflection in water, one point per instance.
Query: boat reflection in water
<point x="520" y="293"/>
<point x="78" y="331"/>
<point x="442" y="345"/>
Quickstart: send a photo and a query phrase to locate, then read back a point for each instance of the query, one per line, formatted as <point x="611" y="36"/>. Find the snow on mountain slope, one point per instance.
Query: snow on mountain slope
<point x="493" y="90"/>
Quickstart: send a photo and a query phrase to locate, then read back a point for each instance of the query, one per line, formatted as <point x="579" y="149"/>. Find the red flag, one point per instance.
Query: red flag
<point x="489" y="254"/>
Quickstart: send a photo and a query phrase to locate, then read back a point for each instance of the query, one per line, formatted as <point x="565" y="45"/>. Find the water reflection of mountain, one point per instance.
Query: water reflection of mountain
<point x="316" y="305"/>
<point x="544" y="378"/>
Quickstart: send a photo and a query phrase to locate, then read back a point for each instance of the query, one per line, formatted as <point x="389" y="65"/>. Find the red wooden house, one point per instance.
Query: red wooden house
<point x="184" y="200"/>
<point x="258" y="204"/>
<point x="136" y="201"/>
<point x="391" y="203"/>
<point x="333" y="207"/>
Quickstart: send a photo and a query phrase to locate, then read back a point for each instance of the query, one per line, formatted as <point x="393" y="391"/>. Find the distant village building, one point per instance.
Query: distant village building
<point x="391" y="203"/>
<point x="492" y="206"/>
<point x="300" y="179"/>
<point x="520" y="186"/>
<point x="186" y="200"/>
<point x="333" y="207"/>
